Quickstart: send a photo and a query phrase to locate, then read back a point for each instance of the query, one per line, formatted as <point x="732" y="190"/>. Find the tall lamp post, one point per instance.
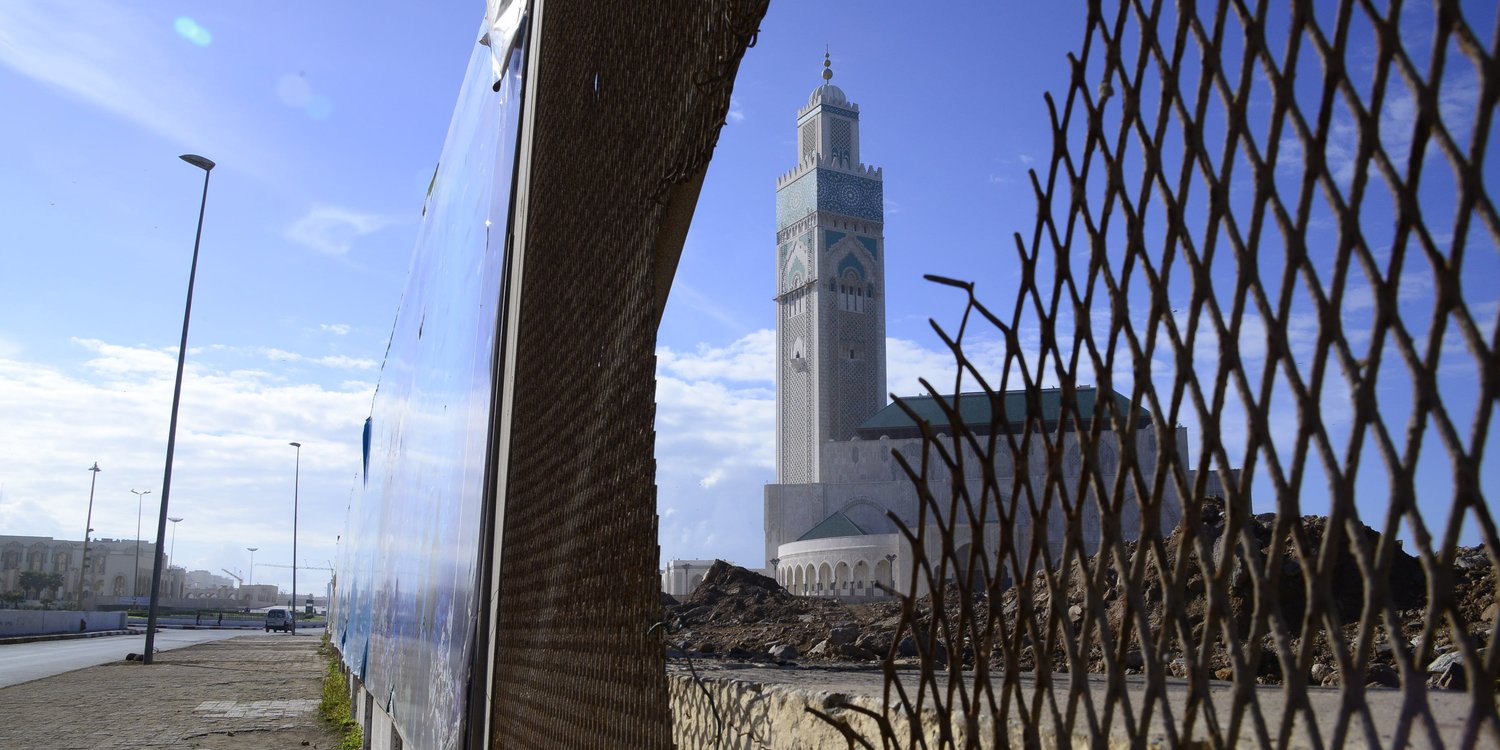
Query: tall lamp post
<point x="135" y="577"/>
<point x="252" y="564"/>
<point x="175" y="520"/>
<point x="88" y="524"/>
<point x="296" y="488"/>
<point x="166" y="482"/>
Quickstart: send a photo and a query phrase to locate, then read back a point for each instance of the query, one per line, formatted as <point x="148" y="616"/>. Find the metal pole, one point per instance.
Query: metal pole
<point x="88" y="523"/>
<point x="166" y="482"/>
<point x="135" y="576"/>
<point x="173" y="556"/>
<point x="174" y="521"/>
<point x="296" y="488"/>
<point x="252" y="564"/>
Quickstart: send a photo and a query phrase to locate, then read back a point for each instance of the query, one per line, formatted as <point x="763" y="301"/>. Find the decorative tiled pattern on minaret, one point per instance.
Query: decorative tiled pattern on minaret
<point x="830" y="294"/>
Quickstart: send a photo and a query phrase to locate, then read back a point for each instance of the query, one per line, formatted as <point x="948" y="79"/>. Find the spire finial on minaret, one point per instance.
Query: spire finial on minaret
<point x="827" y="65"/>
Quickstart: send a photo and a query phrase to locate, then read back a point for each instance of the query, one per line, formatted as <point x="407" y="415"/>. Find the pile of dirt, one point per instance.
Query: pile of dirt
<point x="740" y="614"/>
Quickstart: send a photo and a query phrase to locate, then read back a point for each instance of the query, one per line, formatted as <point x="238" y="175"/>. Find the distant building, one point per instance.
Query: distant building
<point x="117" y="568"/>
<point x="203" y="579"/>
<point x="683" y="576"/>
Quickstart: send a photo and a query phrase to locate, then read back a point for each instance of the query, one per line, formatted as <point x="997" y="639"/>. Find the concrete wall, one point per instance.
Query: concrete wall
<point x="760" y="716"/>
<point x="42" y="622"/>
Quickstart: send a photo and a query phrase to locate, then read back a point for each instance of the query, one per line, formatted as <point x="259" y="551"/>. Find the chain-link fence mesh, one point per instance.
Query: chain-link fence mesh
<point x="1268" y="228"/>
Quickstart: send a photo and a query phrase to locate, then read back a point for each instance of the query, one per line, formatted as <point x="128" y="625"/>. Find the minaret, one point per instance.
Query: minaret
<point x="830" y="286"/>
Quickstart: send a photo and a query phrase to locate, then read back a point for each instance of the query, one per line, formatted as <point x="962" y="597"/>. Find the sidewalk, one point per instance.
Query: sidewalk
<point x="254" y="691"/>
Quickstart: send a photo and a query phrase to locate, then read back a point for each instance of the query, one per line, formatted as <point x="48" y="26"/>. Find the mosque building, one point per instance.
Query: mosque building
<point x="828" y="525"/>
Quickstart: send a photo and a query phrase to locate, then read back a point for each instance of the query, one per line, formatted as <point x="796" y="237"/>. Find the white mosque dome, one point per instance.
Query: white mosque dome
<point x="829" y="94"/>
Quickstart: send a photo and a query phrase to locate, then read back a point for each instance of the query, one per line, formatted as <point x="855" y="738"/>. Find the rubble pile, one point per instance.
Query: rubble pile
<point x="740" y="614"/>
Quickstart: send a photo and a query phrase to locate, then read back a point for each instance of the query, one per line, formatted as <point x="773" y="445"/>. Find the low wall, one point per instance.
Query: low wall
<point x="42" y="622"/>
<point x="719" y="711"/>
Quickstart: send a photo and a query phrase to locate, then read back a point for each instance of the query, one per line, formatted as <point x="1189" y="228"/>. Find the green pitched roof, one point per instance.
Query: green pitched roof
<point x="975" y="410"/>
<point x="837" y="524"/>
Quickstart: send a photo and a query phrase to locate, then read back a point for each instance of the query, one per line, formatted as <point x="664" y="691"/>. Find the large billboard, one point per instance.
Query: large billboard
<point x="407" y="600"/>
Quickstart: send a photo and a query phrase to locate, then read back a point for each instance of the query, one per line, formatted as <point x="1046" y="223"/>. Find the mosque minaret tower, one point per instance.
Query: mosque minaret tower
<point x="830" y="296"/>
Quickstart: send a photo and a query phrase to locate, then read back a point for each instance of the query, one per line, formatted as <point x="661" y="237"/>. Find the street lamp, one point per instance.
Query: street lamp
<point x="135" y="577"/>
<point x="174" y="521"/>
<point x="252" y="564"/>
<point x="296" y="488"/>
<point x="88" y="525"/>
<point x="166" y="482"/>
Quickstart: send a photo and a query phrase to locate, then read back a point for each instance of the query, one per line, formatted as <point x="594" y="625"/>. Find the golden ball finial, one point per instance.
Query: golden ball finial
<point x="827" y="66"/>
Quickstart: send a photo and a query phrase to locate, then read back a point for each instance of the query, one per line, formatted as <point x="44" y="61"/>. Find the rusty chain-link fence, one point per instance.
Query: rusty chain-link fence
<point x="1268" y="227"/>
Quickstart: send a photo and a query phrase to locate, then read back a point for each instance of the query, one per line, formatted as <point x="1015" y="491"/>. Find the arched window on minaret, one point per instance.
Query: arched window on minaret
<point x="854" y="293"/>
<point x="796" y="302"/>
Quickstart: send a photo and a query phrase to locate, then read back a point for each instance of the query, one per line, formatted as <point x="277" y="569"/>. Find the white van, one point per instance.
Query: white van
<point x="278" y="618"/>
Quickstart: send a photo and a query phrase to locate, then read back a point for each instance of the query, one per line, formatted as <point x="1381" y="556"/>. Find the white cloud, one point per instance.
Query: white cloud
<point x="736" y="112"/>
<point x="232" y="475"/>
<point x="331" y="360"/>
<point x="750" y="358"/>
<point x="350" y="363"/>
<point x="337" y="329"/>
<point x="332" y="230"/>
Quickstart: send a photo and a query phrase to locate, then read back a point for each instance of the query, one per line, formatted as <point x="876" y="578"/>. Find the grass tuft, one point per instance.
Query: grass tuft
<point x="335" y="707"/>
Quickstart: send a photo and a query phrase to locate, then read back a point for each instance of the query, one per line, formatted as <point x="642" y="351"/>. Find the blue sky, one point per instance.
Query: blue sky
<point x="326" y="120"/>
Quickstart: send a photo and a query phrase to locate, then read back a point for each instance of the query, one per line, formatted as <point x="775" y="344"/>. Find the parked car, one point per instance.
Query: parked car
<point x="278" y="618"/>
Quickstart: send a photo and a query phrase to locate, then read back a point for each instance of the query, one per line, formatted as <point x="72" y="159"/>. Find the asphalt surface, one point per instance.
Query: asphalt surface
<point x="24" y="662"/>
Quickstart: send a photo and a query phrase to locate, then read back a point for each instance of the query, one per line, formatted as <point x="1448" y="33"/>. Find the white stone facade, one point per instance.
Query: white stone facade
<point x="865" y="483"/>
<point x="109" y="572"/>
<point x="682" y="576"/>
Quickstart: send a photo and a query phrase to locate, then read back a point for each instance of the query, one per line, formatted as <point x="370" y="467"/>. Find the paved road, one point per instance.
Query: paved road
<point x="24" y="662"/>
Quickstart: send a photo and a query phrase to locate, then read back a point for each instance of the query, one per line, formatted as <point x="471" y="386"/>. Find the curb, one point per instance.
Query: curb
<point x="66" y="636"/>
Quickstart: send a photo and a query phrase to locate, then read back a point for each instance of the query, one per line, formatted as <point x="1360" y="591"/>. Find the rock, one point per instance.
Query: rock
<point x="1382" y="675"/>
<point x="852" y="651"/>
<point x="819" y="649"/>
<point x="1453" y="678"/>
<point x="1177" y="667"/>
<point x="1225" y="674"/>
<point x="1317" y="673"/>
<point x="1134" y="659"/>
<point x="908" y="647"/>
<point x="783" y="652"/>
<point x="1075" y="613"/>
<point x="667" y="600"/>
<point x="842" y="635"/>
<point x="878" y="643"/>
<point x="1490" y="613"/>
<point x="1441" y="664"/>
